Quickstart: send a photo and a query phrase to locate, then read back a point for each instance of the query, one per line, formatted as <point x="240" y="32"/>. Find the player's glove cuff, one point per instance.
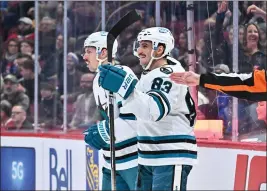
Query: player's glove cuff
<point x="128" y="86"/>
<point x="97" y="135"/>
<point x="118" y="79"/>
<point x="103" y="129"/>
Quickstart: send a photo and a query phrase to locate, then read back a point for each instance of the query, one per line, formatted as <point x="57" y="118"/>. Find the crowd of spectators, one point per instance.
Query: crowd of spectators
<point x="214" y="52"/>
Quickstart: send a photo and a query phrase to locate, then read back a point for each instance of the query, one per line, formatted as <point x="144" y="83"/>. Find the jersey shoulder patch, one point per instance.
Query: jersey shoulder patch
<point x="166" y="70"/>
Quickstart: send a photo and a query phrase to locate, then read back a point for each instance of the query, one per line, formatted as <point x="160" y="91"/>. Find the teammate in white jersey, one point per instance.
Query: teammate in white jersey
<point x="97" y="136"/>
<point x="164" y="110"/>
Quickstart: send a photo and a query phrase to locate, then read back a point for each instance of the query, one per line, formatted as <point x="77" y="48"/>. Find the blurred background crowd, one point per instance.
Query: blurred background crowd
<point x="213" y="23"/>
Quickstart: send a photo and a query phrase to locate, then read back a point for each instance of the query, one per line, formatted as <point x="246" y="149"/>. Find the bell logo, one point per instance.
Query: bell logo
<point x="250" y="176"/>
<point x="62" y="173"/>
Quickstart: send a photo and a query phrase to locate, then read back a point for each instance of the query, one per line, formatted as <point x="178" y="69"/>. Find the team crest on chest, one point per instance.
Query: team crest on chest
<point x="166" y="70"/>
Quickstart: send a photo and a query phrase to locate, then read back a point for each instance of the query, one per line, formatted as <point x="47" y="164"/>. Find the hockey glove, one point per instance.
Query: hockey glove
<point x="117" y="79"/>
<point x="97" y="136"/>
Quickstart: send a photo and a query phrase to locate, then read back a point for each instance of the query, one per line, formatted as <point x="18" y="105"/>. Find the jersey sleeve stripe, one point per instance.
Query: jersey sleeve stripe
<point x="161" y="94"/>
<point x="160" y="105"/>
<point x="127" y="116"/>
<point x="162" y="102"/>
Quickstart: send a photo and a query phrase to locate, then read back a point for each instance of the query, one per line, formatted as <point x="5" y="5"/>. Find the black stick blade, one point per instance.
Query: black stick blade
<point x="123" y="23"/>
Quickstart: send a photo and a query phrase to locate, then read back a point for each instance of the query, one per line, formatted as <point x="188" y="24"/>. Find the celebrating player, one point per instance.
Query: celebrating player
<point x="251" y="86"/>
<point x="97" y="136"/>
<point x="164" y="110"/>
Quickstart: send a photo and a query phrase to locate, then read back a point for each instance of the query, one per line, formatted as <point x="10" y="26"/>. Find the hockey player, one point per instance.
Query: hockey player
<point x="97" y="136"/>
<point x="251" y="86"/>
<point x="165" y="112"/>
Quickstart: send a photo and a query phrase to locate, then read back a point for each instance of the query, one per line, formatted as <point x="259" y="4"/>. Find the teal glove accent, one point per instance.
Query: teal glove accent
<point x="97" y="136"/>
<point x="117" y="79"/>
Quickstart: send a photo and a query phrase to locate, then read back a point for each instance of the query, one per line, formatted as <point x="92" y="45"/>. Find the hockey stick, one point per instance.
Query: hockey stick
<point x="122" y="24"/>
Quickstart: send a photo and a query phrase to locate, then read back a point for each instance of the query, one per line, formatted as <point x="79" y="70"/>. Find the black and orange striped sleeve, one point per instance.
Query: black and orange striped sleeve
<point x="251" y="86"/>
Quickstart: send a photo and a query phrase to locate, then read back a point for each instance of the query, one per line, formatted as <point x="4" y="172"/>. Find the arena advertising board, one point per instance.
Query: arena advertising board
<point x="65" y="164"/>
<point x="17" y="168"/>
<point x="92" y="169"/>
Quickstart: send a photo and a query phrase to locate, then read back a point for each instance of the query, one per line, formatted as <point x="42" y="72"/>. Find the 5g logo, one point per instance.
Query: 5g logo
<point x="17" y="170"/>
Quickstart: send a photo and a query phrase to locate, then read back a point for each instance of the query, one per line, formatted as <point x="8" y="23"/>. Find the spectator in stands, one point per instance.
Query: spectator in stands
<point x="86" y="111"/>
<point x="199" y="52"/>
<point x="252" y="57"/>
<point x="47" y="49"/>
<point x="24" y="30"/>
<point x="19" y="61"/>
<point x="52" y="58"/>
<point x="216" y="49"/>
<point x="5" y="113"/>
<point x="226" y="20"/>
<point x="48" y="8"/>
<point x="59" y="20"/>
<point x="7" y="63"/>
<point x="253" y="54"/>
<point x="47" y="35"/>
<point x="258" y="133"/>
<point x="241" y="31"/>
<point x="82" y="12"/>
<point x="50" y="110"/>
<point x="27" y="47"/>
<point x="59" y="42"/>
<point x="257" y="18"/>
<point x="19" y="119"/>
<point x="73" y="79"/>
<point x="28" y="76"/>
<point x="13" y="94"/>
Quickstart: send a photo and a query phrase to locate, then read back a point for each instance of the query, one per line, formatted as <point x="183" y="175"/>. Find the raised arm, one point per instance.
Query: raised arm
<point x="257" y="11"/>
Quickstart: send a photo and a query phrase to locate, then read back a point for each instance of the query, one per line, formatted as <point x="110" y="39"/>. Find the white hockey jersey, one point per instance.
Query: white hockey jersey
<point x="125" y="131"/>
<point x="166" y="116"/>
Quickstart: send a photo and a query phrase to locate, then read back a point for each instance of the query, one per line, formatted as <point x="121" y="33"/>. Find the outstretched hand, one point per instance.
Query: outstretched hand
<point x="256" y="11"/>
<point x="185" y="78"/>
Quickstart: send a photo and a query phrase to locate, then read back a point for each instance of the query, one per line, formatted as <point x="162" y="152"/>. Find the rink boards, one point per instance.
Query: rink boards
<point x="63" y="162"/>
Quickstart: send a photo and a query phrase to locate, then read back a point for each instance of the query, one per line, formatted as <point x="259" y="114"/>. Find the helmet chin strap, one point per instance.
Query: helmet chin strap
<point x="100" y="61"/>
<point x="152" y="59"/>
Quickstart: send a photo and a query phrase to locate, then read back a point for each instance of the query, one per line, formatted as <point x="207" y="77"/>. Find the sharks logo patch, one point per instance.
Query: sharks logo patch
<point x="166" y="70"/>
